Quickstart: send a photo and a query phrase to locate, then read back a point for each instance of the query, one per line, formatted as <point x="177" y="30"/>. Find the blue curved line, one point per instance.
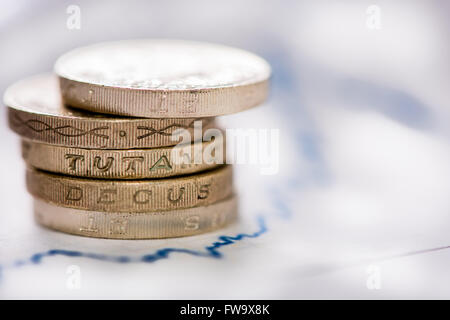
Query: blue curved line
<point x="211" y="251"/>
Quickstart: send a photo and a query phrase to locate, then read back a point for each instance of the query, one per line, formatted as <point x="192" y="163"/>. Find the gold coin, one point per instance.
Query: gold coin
<point x="35" y="112"/>
<point x="148" y="225"/>
<point x="132" y="195"/>
<point x="162" y="78"/>
<point x="123" y="164"/>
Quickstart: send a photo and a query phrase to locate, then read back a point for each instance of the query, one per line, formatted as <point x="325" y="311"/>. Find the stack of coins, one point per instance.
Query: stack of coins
<point x="101" y="137"/>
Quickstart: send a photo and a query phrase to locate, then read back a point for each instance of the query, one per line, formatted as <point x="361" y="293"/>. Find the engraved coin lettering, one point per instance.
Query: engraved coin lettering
<point x="191" y="102"/>
<point x="192" y="223"/>
<point x="162" y="106"/>
<point x="114" y="164"/>
<point x="131" y="167"/>
<point x="118" y="226"/>
<point x="142" y="196"/>
<point x="74" y="194"/>
<point x="73" y="159"/>
<point x="203" y="191"/>
<point x="90" y="227"/>
<point x="103" y="166"/>
<point x="131" y="195"/>
<point x="162" y="163"/>
<point x="172" y="198"/>
<point x="107" y="196"/>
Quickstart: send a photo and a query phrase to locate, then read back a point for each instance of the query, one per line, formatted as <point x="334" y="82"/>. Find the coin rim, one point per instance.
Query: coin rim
<point x="221" y="96"/>
<point x="55" y="164"/>
<point x="34" y="175"/>
<point x="232" y="214"/>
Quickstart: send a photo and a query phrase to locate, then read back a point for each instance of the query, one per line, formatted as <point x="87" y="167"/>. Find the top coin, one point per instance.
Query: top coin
<point x="162" y="78"/>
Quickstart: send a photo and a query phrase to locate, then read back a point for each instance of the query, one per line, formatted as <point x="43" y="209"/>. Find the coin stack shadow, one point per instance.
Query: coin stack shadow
<point x="115" y="169"/>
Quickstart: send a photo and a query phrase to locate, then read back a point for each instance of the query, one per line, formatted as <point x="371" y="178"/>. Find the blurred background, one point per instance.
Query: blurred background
<point x="360" y="94"/>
